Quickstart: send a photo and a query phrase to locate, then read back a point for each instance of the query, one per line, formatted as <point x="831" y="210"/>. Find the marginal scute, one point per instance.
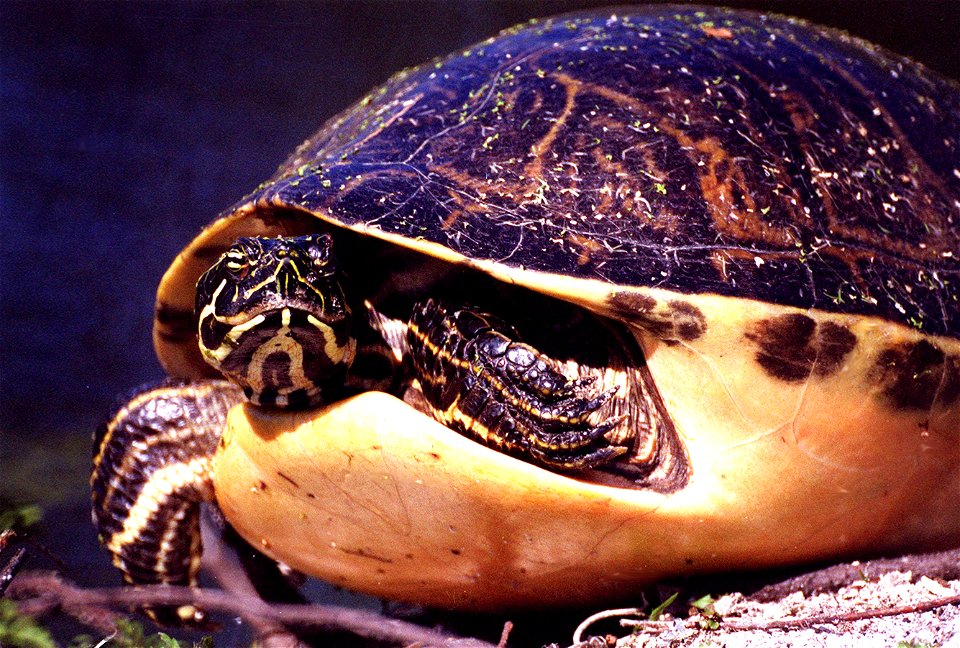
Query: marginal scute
<point x="917" y="375"/>
<point x="671" y="322"/>
<point x="688" y="321"/>
<point x="834" y="343"/>
<point x="627" y="305"/>
<point x="792" y="346"/>
<point x="175" y="325"/>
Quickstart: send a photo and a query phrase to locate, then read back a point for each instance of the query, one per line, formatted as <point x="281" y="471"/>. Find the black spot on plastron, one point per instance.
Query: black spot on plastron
<point x="784" y="346"/>
<point x="170" y="316"/>
<point x="834" y="342"/>
<point x="915" y="375"/>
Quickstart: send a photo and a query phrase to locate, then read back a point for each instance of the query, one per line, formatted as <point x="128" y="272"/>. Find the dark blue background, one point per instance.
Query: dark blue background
<point x="126" y="126"/>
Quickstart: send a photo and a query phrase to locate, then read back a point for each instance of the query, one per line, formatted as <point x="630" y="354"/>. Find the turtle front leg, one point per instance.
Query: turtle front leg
<point x="480" y="379"/>
<point x="151" y="471"/>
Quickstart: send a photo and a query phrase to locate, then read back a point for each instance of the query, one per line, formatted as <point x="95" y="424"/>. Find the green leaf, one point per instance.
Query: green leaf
<point x="19" y="631"/>
<point x="162" y="640"/>
<point x="129" y="634"/>
<point x="81" y="641"/>
<point x="657" y="611"/>
<point x="20" y="517"/>
<point x="702" y="602"/>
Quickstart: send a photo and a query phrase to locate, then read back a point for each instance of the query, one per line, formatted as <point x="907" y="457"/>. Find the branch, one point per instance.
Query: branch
<point x="40" y="593"/>
<point x="9" y="570"/>
<point x="940" y="564"/>
<point x="221" y="561"/>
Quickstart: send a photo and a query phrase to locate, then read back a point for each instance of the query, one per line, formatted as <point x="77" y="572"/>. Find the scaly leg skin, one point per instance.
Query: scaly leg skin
<point x="151" y="471"/>
<point x="480" y="379"/>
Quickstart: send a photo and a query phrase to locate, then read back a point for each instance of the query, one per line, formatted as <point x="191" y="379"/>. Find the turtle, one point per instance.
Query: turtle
<point x="606" y="298"/>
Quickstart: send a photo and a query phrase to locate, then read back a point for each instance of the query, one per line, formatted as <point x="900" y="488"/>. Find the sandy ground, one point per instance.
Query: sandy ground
<point x="939" y="627"/>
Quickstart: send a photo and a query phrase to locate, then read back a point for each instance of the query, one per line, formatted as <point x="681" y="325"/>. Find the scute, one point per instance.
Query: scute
<point x="793" y="346"/>
<point x="918" y="374"/>
<point x="693" y="149"/>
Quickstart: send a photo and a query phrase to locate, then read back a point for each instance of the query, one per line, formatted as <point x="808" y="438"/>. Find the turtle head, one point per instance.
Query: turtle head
<point x="273" y="318"/>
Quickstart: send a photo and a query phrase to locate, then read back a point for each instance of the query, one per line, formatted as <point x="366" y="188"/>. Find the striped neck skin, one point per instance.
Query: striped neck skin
<point x="273" y="318"/>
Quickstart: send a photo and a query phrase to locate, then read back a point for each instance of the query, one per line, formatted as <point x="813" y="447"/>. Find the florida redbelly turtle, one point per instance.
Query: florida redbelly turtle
<point x="690" y="276"/>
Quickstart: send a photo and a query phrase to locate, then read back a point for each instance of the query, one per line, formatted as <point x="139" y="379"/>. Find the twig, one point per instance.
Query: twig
<point x="802" y="622"/>
<point x="10" y="569"/>
<point x="41" y="593"/>
<point x="505" y="634"/>
<point x="14" y="563"/>
<point x="220" y="561"/>
<point x="599" y="616"/>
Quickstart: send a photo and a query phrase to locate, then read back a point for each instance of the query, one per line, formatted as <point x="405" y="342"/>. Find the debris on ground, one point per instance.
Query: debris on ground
<point x="902" y="611"/>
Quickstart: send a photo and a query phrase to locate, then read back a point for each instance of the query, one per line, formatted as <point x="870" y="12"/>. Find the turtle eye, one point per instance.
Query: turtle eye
<point x="320" y="256"/>
<point x="238" y="268"/>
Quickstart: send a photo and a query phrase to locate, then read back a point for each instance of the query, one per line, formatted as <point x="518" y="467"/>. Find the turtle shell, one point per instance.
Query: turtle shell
<point x="771" y="206"/>
<point x="697" y="151"/>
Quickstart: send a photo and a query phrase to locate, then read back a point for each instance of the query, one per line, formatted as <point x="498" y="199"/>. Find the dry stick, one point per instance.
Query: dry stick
<point x="10" y="569"/>
<point x="939" y="564"/>
<point x="808" y="621"/>
<point x="222" y="564"/>
<point x="599" y="616"/>
<point x="48" y="592"/>
<point x="13" y="564"/>
<point x="505" y="634"/>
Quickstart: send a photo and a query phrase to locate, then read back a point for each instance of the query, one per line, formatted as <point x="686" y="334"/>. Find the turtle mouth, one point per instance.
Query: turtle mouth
<point x="220" y="334"/>
<point x="285" y="357"/>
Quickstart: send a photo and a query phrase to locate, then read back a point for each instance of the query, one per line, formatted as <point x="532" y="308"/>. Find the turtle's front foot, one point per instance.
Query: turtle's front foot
<point x="480" y="379"/>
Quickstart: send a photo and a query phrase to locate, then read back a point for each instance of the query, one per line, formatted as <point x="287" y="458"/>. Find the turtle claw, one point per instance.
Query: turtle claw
<point x="576" y="409"/>
<point x="574" y="462"/>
